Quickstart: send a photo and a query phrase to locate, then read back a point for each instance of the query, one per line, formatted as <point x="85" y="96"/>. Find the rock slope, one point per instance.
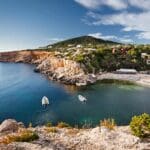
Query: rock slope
<point x="56" y="68"/>
<point x="98" y="138"/>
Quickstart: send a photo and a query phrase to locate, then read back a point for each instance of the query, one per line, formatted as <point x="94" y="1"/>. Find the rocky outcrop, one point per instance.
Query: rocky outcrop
<point x="9" y="125"/>
<point x="25" y="56"/>
<point x="60" y="69"/>
<point x="98" y="138"/>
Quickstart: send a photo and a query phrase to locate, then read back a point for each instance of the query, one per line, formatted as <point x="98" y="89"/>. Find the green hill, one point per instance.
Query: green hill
<point x="83" y="40"/>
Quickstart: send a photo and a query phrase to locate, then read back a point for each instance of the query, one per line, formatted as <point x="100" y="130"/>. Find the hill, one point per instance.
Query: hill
<point x="83" y="40"/>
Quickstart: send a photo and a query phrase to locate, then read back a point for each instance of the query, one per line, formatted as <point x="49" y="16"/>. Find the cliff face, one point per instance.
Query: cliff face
<point x="23" y="56"/>
<point x="60" y="69"/>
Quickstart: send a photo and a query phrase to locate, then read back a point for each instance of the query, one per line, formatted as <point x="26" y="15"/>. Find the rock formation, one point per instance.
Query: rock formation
<point x="74" y="139"/>
<point x="60" y="69"/>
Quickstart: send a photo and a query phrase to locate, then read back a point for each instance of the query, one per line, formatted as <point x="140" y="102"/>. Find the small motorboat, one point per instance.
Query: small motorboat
<point x="45" y="101"/>
<point x="82" y="98"/>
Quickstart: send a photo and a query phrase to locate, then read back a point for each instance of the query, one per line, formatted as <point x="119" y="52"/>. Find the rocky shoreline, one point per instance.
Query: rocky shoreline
<point x="67" y="71"/>
<point x="68" y="138"/>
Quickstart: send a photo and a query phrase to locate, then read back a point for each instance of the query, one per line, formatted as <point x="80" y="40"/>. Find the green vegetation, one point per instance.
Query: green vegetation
<point x="26" y="136"/>
<point x="140" y="125"/>
<point x="63" y="125"/>
<point x="100" y="55"/>
<point x="83" y="40"/>
<point x="49" y="124"/>
<point x="51" y="129"/>
<point x="30" y="125"/>
<point x="108" y="123"/>
<point x="23" y="136"/>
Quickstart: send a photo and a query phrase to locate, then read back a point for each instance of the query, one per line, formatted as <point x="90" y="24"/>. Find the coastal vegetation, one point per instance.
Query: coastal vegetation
<point x="63" y="125"/>
<point x="108" y="123"/>
<point x="22" y="136"/>
<point x="140" y="125"/>
<point x="100" y="55"/>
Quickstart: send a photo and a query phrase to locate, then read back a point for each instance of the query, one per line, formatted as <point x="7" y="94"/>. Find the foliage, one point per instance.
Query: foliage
<point x="23" y="136"/>
<point x="102" y="57"/>
<point x="30" y="125"/>
<point x="83" y="40"/>
<point x="51" y="129"/>
<point x="108" y="123"/>
<point x="140" y="125"/>
<point x="79" y="58"/>
<point x="63" y="125"/>
<point x="48" y="124"/>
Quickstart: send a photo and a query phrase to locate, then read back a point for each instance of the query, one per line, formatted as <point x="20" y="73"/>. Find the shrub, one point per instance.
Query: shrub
<point x="140" y="125"/>
<point x="51" y="129"/>
<point x="30" y="125"/>
<point x="23" y="136"/>
<point x="63" y="125"/>
<point x="108" y="123"/>
<point x="27" y="136"/>
<point x="49" y="124"/>
<point x="72" y="131"/>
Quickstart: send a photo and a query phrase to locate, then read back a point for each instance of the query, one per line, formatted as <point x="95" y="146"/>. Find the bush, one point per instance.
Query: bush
<point x="49" y="124"/>
<point x="26" y="136"/>
<point x="23" y="136"/>
<point x="108" y="123"/>
<point x="30" y="125"/>
<point x="140" y="125"/>
<point x="63" y="125"/>
<point x="51" y="129"/>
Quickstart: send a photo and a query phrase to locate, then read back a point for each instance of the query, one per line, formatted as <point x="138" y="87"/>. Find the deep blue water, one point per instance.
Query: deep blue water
<point x="21" y="91"/>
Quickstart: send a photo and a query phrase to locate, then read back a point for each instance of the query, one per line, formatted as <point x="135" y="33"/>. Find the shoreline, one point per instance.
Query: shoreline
<point x="138" y="79"/>
<point x="67" y="138"/>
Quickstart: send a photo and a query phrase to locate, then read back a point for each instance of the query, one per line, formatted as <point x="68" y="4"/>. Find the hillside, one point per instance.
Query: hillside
<point x="83" y="40"/>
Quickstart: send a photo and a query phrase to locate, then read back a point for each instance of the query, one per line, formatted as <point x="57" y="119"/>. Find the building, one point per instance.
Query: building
<point x="126" y="71"/>
<point x="146" y="57"/>
<point x="79" y="46"/>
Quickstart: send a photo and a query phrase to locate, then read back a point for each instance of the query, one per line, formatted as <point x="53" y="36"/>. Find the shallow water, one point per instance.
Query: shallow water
<point x="21" y="91"/>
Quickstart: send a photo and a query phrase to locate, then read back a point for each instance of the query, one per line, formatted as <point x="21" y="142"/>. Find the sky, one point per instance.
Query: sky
<point x="27" y="24"/>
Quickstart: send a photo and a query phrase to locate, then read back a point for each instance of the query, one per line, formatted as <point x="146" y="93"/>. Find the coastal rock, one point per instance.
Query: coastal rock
<point x="9" y="125"/>
<point x="86" y="139"/>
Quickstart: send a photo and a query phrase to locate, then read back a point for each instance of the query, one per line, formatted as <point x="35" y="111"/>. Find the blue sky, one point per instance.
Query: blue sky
<point x="33" y="23"/>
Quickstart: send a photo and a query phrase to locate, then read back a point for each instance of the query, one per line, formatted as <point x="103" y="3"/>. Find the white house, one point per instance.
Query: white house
<point x="147" y="57"/>
<point x="79" y="46"/>
<point x="126" y="71"/>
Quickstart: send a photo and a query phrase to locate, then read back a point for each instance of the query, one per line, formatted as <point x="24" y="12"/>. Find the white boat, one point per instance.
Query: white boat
<point x="82" y="98"/>
<point x="45" y="101"/>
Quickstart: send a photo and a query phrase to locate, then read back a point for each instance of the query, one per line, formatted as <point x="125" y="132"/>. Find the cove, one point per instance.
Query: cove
<point x="21" y="90"/>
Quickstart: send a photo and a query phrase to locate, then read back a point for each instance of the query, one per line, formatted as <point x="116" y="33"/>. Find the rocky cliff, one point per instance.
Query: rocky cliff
<point x="56" y="68"/>
<point x="14" y="136"/>
<point x="23" y="56"/>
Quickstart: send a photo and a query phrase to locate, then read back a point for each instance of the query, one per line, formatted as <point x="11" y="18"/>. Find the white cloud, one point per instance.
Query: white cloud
<point x="101" y="36"/>
<point x="94" y="4"/>
<point x="54" y="40"/>
<point x="129" y="21"/>
<point x="144" y="35"/>
<point x="115" y="4"/>
<point x="143" y="4"/>
<point x="111" y="37"/>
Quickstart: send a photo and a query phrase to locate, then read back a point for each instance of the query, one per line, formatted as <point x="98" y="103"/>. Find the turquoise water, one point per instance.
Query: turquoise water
<point x="21" y="91"/>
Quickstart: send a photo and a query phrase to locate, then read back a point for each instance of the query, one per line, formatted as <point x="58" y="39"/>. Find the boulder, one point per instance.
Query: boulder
<point x="9" y="125"/>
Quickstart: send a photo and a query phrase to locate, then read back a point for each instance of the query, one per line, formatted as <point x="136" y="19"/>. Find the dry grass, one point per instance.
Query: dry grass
<point x="63" y="125"/>
<point x="22" y="136"/>
<point x="51" y="129"/>
<point x="108" y="123"/>
<point x="72" y="131"/>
